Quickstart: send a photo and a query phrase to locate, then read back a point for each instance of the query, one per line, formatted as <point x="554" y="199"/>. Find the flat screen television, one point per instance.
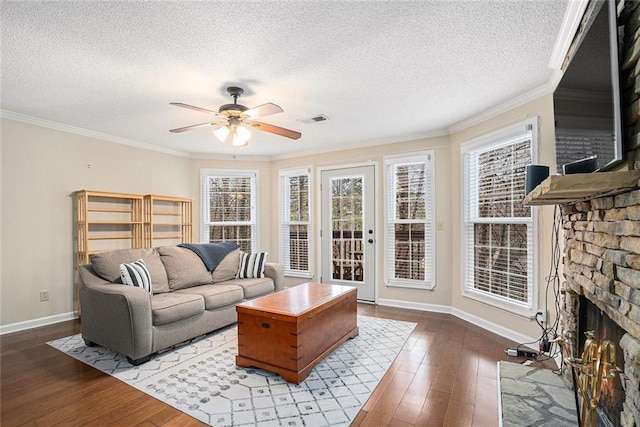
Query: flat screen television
<point x="587" y="110"/>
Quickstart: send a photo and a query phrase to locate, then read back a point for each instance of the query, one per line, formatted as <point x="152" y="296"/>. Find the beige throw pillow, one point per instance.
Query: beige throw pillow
<point x="227" y="268"/>
<point x="107" y="266"/>
<point x="184" y="267"/>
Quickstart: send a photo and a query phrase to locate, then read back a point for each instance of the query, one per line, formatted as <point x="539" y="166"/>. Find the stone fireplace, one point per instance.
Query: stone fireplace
<point x="601" y="290"/>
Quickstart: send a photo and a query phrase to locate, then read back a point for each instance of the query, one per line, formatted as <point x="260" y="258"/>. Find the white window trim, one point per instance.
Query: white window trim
<point x="427" y="156"/>
<point x="497" y="139"/>
<point x="284" y="173"/>
<point x="204" y="201"/>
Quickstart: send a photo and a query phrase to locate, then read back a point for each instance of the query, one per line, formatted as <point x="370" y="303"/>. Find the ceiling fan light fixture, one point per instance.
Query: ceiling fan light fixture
<point x="222" y="133"/>
<point x="241" y="136"/>
<point x="237" y="118"/>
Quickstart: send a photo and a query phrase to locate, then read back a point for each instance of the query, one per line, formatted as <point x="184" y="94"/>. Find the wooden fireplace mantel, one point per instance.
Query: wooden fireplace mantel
<point x="568" y="189"/>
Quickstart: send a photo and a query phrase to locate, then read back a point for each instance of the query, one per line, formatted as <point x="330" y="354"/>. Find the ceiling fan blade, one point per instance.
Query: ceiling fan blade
<point x="263" y="110"/>
<point x="193" y="107"/>
<point x="186" y="128"/>
<point x="265" y="127"/>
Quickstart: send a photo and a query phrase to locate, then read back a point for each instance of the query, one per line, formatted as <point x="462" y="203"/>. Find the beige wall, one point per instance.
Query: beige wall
<point x="543" y="108"/>
<point x="40" y="169"/>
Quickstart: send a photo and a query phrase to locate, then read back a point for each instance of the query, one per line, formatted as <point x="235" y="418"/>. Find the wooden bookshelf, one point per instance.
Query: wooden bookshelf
<point x="167" y="220"/>
<point x="107" y="221"/>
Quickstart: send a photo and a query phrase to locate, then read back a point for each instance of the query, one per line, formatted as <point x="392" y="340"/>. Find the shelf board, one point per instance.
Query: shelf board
<point x="111" y="222"/>
<point x="125" y="210"/>
<point x="167" y="213"/>
<point x="568" y="189"/>
<point x="169" y="198"/>
<point x="167" y="236"/>
<point x="110" y="236"/>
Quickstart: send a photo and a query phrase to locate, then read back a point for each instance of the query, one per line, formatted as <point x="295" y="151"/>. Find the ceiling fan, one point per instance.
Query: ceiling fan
<point x="232" y="121"/>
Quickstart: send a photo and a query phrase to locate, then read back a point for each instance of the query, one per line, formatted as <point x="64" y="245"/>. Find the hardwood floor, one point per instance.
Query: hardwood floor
<point x="444" y="376"/>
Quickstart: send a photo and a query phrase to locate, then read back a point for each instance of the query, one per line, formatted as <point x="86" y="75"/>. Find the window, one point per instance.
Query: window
<point x="229" y="208"/>
<point x="409" y="222"/>
<point x="295" y="222"/>
<point x="498" y="228"/>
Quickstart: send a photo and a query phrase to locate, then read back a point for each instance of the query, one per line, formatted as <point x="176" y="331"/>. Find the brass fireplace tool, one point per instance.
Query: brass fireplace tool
<point x="596" y="366"/>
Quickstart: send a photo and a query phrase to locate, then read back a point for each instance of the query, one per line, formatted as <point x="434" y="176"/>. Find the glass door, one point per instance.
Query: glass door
<point x="347" y="229"/>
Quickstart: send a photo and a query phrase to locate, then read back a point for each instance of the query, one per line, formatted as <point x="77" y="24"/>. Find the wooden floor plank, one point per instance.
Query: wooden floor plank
<point x="445" y="374"/>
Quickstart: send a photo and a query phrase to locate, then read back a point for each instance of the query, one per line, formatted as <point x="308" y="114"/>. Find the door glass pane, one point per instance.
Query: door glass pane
<point x="347" y="236"/>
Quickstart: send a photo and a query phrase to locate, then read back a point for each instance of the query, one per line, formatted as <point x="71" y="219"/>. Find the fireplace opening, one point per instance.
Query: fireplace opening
<point x="591" y="318"/>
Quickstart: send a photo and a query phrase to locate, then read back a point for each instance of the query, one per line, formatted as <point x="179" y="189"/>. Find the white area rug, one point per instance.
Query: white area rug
<point x="202" y="380"/>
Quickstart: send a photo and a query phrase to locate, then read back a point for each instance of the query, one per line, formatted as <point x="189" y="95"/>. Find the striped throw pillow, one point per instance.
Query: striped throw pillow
<point x="136" y="274"/>
<point x="252" y="265"/>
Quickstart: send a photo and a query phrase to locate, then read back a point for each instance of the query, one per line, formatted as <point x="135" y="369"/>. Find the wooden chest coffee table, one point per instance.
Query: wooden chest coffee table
<point x="290" y="331"/>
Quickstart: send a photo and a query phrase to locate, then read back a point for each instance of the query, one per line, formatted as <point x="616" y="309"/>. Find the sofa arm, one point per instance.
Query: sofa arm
<point x="276" y="273"/>
<point x="115" y="316"/>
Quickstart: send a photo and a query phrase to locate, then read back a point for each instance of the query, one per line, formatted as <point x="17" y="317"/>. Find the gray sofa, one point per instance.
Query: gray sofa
<point x="187" y="300"/>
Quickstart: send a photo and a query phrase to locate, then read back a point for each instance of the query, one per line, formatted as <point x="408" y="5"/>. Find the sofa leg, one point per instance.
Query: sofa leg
<point x="89" y="343"/>
<point x="136" y="362"/>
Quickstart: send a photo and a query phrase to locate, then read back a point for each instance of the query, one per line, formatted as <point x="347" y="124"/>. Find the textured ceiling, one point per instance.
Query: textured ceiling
<point x="382" y="71"/>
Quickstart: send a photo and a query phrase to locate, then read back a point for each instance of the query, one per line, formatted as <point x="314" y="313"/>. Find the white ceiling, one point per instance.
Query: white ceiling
<point x="382" y="71"/>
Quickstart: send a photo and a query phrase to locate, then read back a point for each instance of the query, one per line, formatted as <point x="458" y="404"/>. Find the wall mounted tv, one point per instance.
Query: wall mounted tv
<point x="587" y="109"/>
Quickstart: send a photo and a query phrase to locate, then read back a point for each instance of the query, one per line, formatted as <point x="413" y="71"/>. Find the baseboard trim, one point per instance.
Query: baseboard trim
<point x="434" y="308"/>
<point x="495" y="328"/>
<point x="471" y="318"/>
<point x="35" y="323"/>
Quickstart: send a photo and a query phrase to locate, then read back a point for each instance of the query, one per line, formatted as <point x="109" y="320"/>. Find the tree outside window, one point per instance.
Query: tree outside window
<point x="410" y="208"/>
<point x="498" y="227"/>
<point x="295" y="222"/>
<point x="229" y="209"/>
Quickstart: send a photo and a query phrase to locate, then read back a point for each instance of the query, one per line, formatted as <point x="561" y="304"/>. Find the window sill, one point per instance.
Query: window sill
<point x="300" y="274"/>
<point x="410" y="285"/>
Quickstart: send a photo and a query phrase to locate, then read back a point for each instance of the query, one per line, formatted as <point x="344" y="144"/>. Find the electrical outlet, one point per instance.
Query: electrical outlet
<point x="44" y="296"/>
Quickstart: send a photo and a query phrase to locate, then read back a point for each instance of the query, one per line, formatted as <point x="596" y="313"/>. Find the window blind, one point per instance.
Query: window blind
<point x="409" y="220"/>
<point x="229" y="208"/>
<point x="295" y="222"/>
<point x="498" y="228"/>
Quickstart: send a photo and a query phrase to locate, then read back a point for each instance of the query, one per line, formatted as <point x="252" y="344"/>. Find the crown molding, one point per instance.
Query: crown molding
<point x="363" y="144"/>
<point x="10" y="115"/>
<point x="526" y="97"/>
<point x="570" y="24"/>
<point x="229" y="157"/>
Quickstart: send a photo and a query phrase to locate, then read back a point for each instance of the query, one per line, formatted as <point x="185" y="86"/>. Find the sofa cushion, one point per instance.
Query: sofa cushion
<point x="252" y="287"/>
<point x="251" y="265"/>
<point x="107" y="266"/>
<point x="136" y="274"/>
<point x="184" y="267"/>
<point x="228" y="267"/>
<point x="173" y="306"/>
<point x="216" y="295"/>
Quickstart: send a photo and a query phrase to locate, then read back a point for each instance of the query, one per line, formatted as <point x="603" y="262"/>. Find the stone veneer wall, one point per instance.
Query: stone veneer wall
<point x="602" y="236"/>
<point x="602" y="262"/>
